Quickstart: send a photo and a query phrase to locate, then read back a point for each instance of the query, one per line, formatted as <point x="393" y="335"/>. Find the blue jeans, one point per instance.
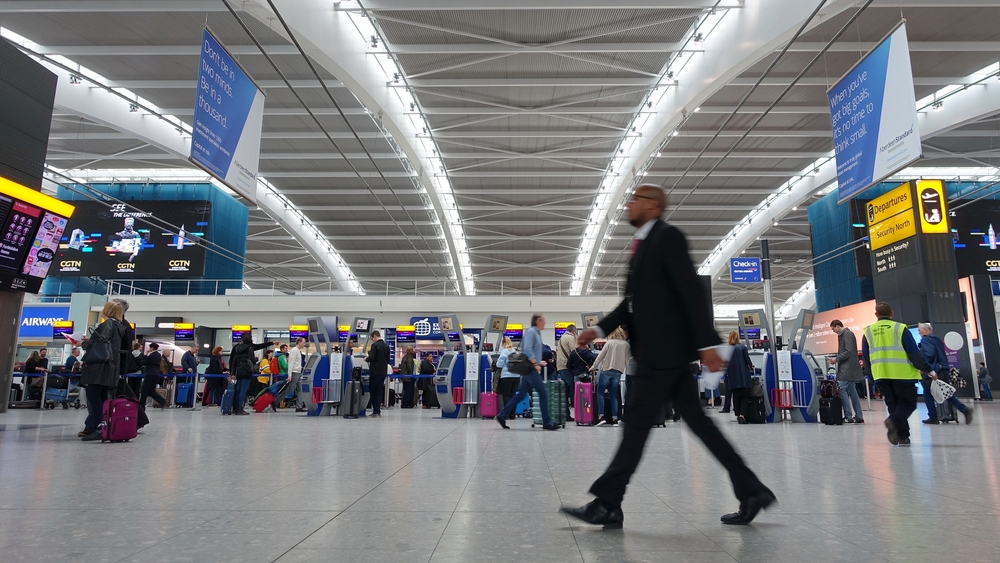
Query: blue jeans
<point x="568" y="381"/>
<point x="987" y="393"/>
<point x="240" y="394"/>
<point x="529" y="382"/>
<point x="849" y="397"/>
<point x="612" y="381"/>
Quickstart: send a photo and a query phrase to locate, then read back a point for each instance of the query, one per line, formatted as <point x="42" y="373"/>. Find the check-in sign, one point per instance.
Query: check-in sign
<point x="744" y="270"/>
<point x="891" y="203"/>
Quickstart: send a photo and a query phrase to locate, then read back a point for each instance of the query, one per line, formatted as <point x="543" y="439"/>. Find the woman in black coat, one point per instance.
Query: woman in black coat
<point x="216" y="385"/>
<point x="150" y="375"/>
<point x="100" y="378"/>
<point x="739" y="377"/>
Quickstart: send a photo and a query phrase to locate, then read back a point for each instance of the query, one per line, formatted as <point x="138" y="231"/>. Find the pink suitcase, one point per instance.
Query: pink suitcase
<point x="121" y="420"/>
<point x="488" y="405"/>
<point x="584" y="407"/>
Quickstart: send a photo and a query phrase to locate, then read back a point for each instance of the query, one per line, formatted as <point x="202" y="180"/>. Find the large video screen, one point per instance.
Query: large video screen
<point x="974" y="229"/>
<point x="135" y="240"/>
<point x="30" y="234"/>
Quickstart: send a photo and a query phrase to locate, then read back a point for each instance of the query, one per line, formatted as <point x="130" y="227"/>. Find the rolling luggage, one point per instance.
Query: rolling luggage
<point x="263" y="400"/>
<point x="756" y="411"/>
<point x="121" y="420"/>
<point x="946" y="412"/>
<point x="489" y="405"/>
<point x="583" y="410"/>
<point x="351" y="402"/>
<point x="429" y="397"/>
<point x="556" y="391"/>
<point x="226" y="405"/>
<point x="185" y="394"/>
<point x="831" y="411"/>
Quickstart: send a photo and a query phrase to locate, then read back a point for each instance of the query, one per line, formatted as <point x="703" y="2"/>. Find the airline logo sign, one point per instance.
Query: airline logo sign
<point x="744" y="270"/>
<point x="889" y="204"/>
<point x="933" y="207"/>
<point x="37" y="321"/>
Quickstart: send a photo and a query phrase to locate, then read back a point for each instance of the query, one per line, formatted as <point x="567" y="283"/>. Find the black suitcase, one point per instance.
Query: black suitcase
<point x="351" y="401"/>
<point x="756" y="411"/>
<point x="831" y="411"/>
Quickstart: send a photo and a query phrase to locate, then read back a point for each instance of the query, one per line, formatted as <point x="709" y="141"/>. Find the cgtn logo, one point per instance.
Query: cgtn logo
<point x="70" y="265"/>
<point x="993" y="265"/>
<point x="125" y="267"/>
<point x="179" y="265"/>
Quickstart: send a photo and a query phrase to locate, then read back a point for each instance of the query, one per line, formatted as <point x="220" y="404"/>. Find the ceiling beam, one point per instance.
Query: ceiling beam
<point x="493" y="48"/>
<point x="158" y="50"/>
<point x="191" y="84"/>
<point x="569" y="110"/>
<point x="105" y="6"/>
<point x="915" y="46"/>
<point x="829" y="82"/>
<point x="606" y="82"/>
<point x="446" y="5"/>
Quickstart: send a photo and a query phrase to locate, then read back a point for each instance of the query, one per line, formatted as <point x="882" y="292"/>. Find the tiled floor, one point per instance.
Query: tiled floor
<point x="410" y="487"/>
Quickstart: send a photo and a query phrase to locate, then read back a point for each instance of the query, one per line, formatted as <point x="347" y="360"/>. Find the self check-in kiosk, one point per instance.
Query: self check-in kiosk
<point x="465" y="369"/>
<point x="322" y="376"/>
<point x="792" y="378"/>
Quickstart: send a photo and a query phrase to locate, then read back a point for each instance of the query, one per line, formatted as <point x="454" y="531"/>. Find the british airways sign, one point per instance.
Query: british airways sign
<point x="36" y="320"/>
<point x="744" y="270"/>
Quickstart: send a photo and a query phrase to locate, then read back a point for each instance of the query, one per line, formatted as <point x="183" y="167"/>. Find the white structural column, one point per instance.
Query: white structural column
<point x="333" y="40"/>
<point x="99" y="105"/>
<point x="740" y="40"/>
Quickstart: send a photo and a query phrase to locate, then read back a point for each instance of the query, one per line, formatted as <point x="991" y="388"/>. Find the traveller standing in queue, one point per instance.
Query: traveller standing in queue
<point x="100" y="378"/>
<point x="378" y="369"/>
<point x="984" y="382"/>
<point x="932" y="349"/>
<point x="739" y="377"/>
<point x="428" y="392"/>
<point x="531" y="347"/>
<point x="891" y="353"/>
<point x="664" y="310"/>
<point x="507" y="387"/>
<point x="294" y="363"/>
<point x="407" y="369"/>
<point x="242" y="362"/>
<point x="216" y="385"/>
<point x="848" y="371"/>
<point x="150" y="375"/>
<point x="189" y="361"/>
<point x="564" y="349"/>
<point x="610" y="364"/>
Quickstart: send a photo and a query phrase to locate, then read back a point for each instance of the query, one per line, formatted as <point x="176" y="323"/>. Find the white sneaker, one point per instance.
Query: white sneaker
<point x="601" y="423"/>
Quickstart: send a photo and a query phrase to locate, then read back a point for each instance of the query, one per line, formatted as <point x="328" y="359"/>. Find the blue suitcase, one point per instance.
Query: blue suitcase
<point x="227" y="400"/>
<point x="185" y="392"/>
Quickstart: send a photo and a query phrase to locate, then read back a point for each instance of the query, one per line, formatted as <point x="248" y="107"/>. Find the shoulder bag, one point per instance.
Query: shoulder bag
<point x="98" y="347"/>
<point x="519" y="364"/>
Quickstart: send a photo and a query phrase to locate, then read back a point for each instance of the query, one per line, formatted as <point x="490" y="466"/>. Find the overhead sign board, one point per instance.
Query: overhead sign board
<point x="37" y="320"/>
<point x="239" y="330"/>
<point x="890" y="217"/>
<point x="744" y="270"/>
<point x="228" y="115"/>
<point x="933" y="204"/>
<point x="891" y="203"/>
<point x="873" y="111"/>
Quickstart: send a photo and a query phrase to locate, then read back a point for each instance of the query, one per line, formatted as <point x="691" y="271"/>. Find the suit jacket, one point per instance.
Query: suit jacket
<point x="848" y="366"/>
<point x="378" y="359"/>
<point x="151" y="364"/>
<point x="665" y="304"/>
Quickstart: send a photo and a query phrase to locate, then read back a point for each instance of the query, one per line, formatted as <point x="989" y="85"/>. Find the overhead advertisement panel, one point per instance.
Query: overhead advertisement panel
<point x="228" y="115"/>
<point x="873" y="110"/>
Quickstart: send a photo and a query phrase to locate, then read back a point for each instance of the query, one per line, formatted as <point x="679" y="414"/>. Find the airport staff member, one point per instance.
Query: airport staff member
<point x="378" y="368"/>
<point x="895" y="362"/>
<point x="665" y="310"/>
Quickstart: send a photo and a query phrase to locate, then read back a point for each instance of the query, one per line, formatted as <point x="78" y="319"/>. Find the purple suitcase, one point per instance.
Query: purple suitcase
<point x="121" y="420"/>
<point x="584" y="406"/>
<point x="488" y="405"/>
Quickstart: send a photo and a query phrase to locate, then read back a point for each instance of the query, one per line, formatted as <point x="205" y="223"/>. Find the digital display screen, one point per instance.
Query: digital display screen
<point x="183" y="333"/>
<point x="294" y="335"/>
<point x="239" y="330"/>
<point x="446" y="361"/>
<point x="974" y="230"/>
<point x="751" y="333"/>
<point x="362" y="325"/>
<point x="29" y="233"/>
<point x="515" y="335"/>
<point x="60" y="328"/>
<point x="406" y="335"/>
<point x="488" y="347"/>
<point x="142" y="238"/>
<point x="454" y="337"/>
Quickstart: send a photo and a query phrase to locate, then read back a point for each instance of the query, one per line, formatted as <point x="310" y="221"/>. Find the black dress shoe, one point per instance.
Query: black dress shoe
<point x="749" y="508"/>
<point x="597" y="512"/>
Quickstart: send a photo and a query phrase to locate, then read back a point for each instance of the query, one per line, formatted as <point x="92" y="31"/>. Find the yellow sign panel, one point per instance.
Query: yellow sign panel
<point x="35" y="197"/>
<point x="563" y="324"/>
<point x="62" y="324"/>
<point x="343" y="328"/>
<point x="298" y="328"/>
<point x="511" y="326"/>
<point x="933" y="206"/>
<point x="889" y="204"/>
<point x="406" y="328"/>
<point x="184" y="326"/>
<point x="893" y="229"/>
<point x="240" y="328"/>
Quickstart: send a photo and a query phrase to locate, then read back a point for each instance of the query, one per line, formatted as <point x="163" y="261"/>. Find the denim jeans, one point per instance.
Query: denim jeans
<point x="529" y="382"/>
<point x="240" y="394"/>
<point x="612" y="381"/>
<point x="849" y="397"/>
<point x="568" y="380"/>
<point x="987" y="392"/>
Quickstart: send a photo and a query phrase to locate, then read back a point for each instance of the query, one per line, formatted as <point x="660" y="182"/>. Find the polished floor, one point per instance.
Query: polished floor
<point x="411" y="487"/>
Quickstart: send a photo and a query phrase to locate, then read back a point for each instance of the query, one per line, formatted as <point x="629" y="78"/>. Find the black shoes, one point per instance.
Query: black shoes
<point x="741" y="420"/>
<point x="93" y="436"/>
<point x="859" y="420"/>
<point x="597" y="512"/>
<point x="241" y="412"/>
<point x="550" y="427"/>
<point x="749" y="508"/>
<point x="502" y="421"/>
<point x="904" y="442"/>
<point x="892" y="433"/>
<point x="968" y="416"/>
<point x="932" y="421"/>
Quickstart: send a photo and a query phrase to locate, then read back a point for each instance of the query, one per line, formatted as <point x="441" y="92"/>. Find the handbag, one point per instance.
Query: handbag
<point x="941" y="391"/>
<point x="98" y="349"/>
<point x="519" y="364"/>
<point x="956" y="378"/>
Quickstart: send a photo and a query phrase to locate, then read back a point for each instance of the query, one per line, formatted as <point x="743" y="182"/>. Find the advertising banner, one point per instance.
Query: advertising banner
<point x="822" y="340"/>
<point x="228" y="115"/>
<point x="874" y="116"/>
<point x="744" y="270"/>
<point x="37" y="320"/>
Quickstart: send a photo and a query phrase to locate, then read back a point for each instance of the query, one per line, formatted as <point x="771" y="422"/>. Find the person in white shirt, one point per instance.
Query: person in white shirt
<point x="295" y="355"/>
<point x="611" y="364"/>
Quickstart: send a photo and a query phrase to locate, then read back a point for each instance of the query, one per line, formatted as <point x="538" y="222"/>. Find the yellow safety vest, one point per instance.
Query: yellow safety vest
<point x="885" y="350"/>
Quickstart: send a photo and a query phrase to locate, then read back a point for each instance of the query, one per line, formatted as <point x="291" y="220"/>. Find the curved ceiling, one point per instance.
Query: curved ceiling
<point x="531" y="109"/>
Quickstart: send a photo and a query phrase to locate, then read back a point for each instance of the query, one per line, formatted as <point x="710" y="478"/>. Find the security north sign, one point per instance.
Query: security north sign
<point x="744" y="270"/>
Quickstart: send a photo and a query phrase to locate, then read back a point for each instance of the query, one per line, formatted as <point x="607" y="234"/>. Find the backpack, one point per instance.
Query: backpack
<point x="828" y="389"/>
<point x="242" y="362"/>
<point x="275" y="369"/>
<point x="758" y="388"/>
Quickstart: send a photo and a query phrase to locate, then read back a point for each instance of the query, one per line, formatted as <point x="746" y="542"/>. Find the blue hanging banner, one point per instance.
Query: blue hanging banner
<point x="874" y="116"/>
<point x="228" y="115"/>
<point x="744" y="270"/>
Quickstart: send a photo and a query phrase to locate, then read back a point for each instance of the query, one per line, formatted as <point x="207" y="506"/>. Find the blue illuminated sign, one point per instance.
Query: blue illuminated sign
<point x="744" y="270"/>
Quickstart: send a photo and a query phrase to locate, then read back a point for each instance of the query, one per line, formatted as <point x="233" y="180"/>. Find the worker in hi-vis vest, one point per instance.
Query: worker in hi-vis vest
<point x="895" y="362"/>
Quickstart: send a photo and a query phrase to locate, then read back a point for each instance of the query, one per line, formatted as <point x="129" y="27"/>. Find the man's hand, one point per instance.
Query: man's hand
<point x="831" y="361"/>
<point x="586" y="337"/>
<point x="711" y="359"/>
<point x="933" y="375"/>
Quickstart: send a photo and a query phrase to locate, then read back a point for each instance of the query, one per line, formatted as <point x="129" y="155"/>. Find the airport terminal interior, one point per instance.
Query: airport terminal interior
<point x="274" y="275"/>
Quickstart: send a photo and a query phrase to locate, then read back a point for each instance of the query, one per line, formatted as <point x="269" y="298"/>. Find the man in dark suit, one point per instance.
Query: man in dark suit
<point x="378" y="369"/>
<point x="665" y="312"/>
